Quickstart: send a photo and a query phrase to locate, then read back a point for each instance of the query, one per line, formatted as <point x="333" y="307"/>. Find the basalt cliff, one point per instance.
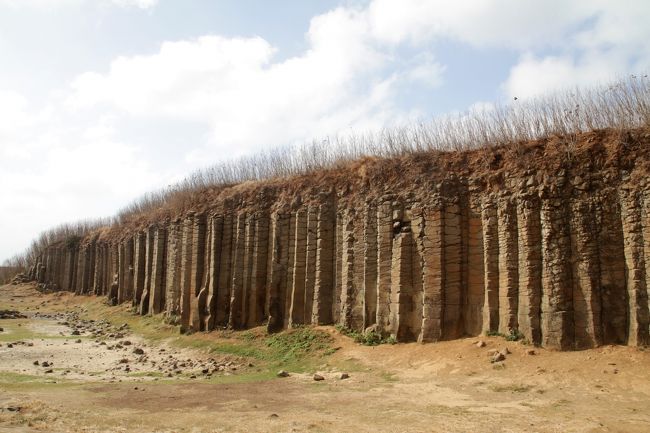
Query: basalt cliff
<point x="548" y="240"/>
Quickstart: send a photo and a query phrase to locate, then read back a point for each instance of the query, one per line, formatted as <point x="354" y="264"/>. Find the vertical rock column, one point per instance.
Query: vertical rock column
<point x="197" y="270"/>
<point x="508" y="265"/>
<point x="586" y="275"/>
<point x="139" y="266"/>
<point x="238" y="265"/>
<point x="384" y="264"/>
<point x="453" y="292"/>
<point x="490" y="264"/>
<point x="224" y="281"/>
<point x="310" y="265"/>
<point x="614" y="297"/>
<point x="557" y="281"/>
<point x="530" y="268"/>
<point x="370" y="265"/>
<point x="402" y="287"/>
<point x="338" y="267"/>
<point x="277" y="275"/>
<point x="351" y="302"/>
<point x="635" y="267"/>
<point x="258" y="266"/>
<point x="475" y="299"/>
<point x="157" y="280"/>
<point x="325" y="266"/>
<point x="215" y="224"/>
<point x="297" y="294"/>
<point x="173" y="267"/>
<point x="143" y="307"/>
<point x="128" y="268"/>
<point x="432" y="275"/>
<point x="186" y="271"/>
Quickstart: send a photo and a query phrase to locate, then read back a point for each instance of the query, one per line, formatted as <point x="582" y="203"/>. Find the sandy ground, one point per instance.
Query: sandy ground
<point x="444" y="387"/>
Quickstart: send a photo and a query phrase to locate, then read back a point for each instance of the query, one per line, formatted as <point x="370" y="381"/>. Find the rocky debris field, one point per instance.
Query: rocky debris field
<point x="11" y="314"/>
<point x="74" y="364"/>
<point x="65" y="346"/>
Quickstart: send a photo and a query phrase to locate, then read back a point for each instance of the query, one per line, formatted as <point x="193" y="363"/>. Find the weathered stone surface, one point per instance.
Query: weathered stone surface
<point x="508" y="265"/>
<point x="564" y="264"/>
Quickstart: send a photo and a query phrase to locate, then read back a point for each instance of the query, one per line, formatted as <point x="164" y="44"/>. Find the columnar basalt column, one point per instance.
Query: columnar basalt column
<point x="614" y="296"/>
<point x="186" y="271"/>
<point x="635" y="267"/>
<point x="402" y="287"/>
<point x="277" y="275"/>
<point x="291" y="260"/>
<point x="338" y="267"/>
<point x="325" y="266"/>
<point x="197" y="270"/>
<point x="432" y="246"/>
<point x="530" y="268"/>
<point x="173" y="268"/>
<point x="370" y="270"/>
<point x="139" y="266"/>
<point x="157" y="280"/>
<point x="508" y="265"/>
<point x="259" y="262"/>
<point x="127" y="289"/>
<point x="297" y="293"/>
<point x="143" y="308"/>
<point x="489" y="222"/>
<point x="586" y="275"/>
<point x="475" y="298"/>
<point x="310" y="264"/>
<point x="224" y="280"/>
<point x="452" y="326"/>
<point x="236" y="293"/>
<point x="351" y="301"/>
<point x="645" y="222"/>
<point x="120" y="271"/>
<point x="557" y="280"/>
<point x="215" y="224"/>
<point x="384" y="264"/>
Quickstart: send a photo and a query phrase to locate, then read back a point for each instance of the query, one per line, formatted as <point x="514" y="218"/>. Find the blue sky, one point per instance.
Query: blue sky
<point x="103" y="100"/>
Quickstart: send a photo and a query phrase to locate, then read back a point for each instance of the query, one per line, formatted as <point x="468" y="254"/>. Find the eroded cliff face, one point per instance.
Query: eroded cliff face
<point x="548" y="239"/>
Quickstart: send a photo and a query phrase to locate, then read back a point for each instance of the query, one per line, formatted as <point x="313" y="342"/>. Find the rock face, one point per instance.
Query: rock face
<point x="551" y="245"/>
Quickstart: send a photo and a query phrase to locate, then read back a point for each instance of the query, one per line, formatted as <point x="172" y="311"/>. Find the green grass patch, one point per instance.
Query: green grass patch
<point x="371" y="338"/>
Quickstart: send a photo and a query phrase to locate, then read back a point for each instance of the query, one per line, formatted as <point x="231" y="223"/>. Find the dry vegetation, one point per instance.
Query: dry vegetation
<point x="623" y="105"/>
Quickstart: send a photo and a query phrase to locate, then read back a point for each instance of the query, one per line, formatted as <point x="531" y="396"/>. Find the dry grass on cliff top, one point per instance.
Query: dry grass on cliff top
<point x="544" y="132"/>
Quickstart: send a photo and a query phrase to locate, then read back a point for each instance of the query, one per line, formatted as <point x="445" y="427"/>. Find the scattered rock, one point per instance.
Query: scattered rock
<point x="76" y="332"/>
<point x="318" y="377"/>
<point x="480" y="344"/>
<point x="36" y="363"/>
<point x="2" y="329"/>
<point x="14" y="408"/>
<point x="49" y="371"/>
<point x="138" y="351"/>
<point x="274" y="415"/>
<point x="11" y="314"/>
<point x="283" y="373"/>
<point x="10" y="345"/>
<point x="344" y="376"/>
<point x="45" y="364"/>
<point x="499" y="357"/>
<point x="531" y="352"/>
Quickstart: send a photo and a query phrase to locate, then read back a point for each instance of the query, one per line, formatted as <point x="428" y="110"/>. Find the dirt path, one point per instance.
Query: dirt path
<point x="170" y="387"/>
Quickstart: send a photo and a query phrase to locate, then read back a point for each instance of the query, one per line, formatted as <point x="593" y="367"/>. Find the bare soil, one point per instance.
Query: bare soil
<point x="444" y="387"/>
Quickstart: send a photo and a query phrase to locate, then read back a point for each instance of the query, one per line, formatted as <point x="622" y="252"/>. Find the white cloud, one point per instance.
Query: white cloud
<point x="106" y="137"/>
<point x="248" y="99"/>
